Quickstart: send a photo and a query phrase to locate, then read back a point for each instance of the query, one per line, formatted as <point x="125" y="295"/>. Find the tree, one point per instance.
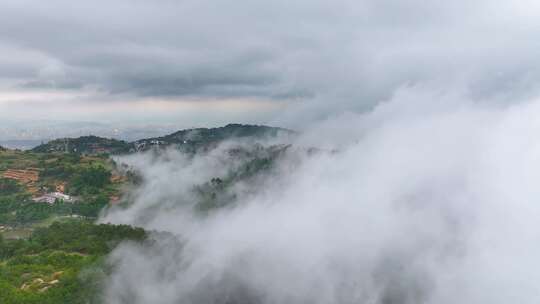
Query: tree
<point x="8" y="186"/>
<point x="90" y="180"/>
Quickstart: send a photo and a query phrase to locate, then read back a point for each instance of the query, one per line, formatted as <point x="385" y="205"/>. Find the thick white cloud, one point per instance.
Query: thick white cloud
<point x="431" y="199"/>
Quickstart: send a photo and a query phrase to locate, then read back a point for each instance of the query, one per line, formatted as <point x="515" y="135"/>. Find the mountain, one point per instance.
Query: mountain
<point x="85" y="145"/>
<point x="189" y="140"/>
<point x="192" y="140"/>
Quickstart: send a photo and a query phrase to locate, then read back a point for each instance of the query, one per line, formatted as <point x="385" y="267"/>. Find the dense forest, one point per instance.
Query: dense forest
<point x="62" y="263"/>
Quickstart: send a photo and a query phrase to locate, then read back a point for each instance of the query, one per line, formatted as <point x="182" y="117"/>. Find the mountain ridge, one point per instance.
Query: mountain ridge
<point x="188" y="140"/>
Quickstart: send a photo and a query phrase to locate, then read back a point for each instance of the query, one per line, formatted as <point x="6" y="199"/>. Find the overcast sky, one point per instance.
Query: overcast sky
<point x="205" y="63"/>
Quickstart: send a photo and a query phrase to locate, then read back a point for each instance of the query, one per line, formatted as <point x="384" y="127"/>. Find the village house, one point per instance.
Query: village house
<point x="50" y="198"/>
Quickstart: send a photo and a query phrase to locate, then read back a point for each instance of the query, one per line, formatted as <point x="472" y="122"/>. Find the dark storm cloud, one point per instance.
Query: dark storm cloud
<point x="357" y="51"/>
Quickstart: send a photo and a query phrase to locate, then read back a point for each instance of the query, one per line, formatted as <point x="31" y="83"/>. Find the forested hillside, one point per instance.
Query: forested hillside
<point x="189" y="140"/>
<point x="62" y="263"/>
<point x="85" y="145"/>
<point x="193" y="140"/>
<point x="51" y="251"/>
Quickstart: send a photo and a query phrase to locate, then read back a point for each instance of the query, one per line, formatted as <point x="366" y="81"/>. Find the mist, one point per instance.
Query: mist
<point x="412" y="177"/>
<point x="431" y="197"/>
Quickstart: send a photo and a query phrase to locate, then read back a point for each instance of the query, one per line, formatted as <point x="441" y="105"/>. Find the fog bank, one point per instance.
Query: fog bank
<point x="429" y="198"/>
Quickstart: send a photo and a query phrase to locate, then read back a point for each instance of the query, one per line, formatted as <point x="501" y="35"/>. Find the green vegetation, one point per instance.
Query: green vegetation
<point x="217" y="192"/>
<point x="63" y="263"/>
<point x="11" y="159"/>
<point x="21" y="212"/>
<point x="59" y="166"/>
<point x="85" y="145"/>
<point x="9" y="187"/>
<point x="75" y="236"/>
<point x="87" y="178"/>
<point x="50" y="253"/>
<point x="189" y="140"/>
<point x="202" y="139"/>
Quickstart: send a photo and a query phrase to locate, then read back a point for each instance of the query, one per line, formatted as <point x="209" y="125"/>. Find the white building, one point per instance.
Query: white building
<point x="50" y="198"/>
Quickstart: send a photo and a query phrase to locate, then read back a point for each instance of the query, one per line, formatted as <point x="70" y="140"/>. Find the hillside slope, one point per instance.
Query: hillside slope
<point x="191" y="140"/>
<point x="85" y="145"/>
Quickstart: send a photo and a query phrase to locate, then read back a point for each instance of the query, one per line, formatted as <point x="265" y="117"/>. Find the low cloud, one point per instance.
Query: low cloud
<point x="424" y="201"/>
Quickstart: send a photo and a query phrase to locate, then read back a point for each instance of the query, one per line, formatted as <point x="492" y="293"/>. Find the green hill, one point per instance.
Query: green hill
<point x="192" y="140"/>
<point x="62" y="263"/>
<point x="189" y="140"/>
<point x="85" y="145"/>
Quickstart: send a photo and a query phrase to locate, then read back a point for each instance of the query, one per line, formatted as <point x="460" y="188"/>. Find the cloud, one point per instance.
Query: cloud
<point x="330" y="57"/>
<point x="430" y="199"/>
